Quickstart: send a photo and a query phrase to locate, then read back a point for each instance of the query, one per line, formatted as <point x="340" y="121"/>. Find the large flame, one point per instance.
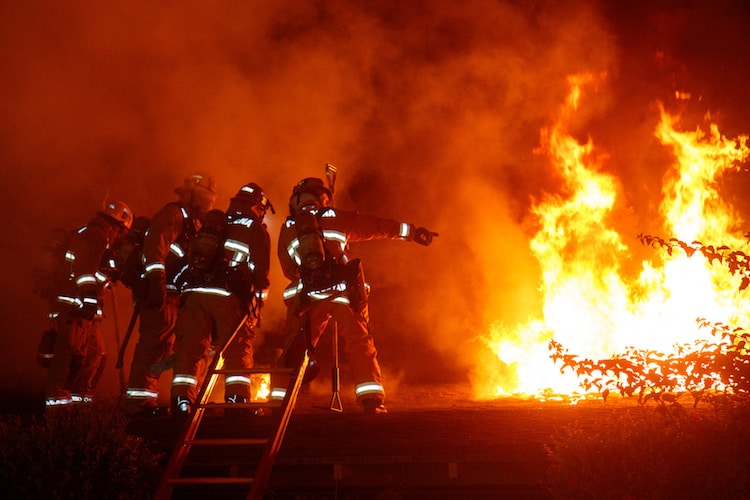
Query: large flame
<point x="590" y="306"/>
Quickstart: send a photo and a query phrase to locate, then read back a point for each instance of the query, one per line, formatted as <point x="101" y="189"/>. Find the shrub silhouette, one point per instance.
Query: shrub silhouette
<point x="76" y="451"/>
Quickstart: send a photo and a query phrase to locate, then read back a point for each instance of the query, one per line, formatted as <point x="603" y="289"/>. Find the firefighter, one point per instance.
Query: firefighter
<point x="165" y="247"/>
<point x="326" y="284"/>
<point x="222" y="291"/>
<point x="77" y="354"/>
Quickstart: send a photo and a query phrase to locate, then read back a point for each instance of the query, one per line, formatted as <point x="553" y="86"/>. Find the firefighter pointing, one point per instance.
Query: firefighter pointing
<point x="327" y="285"/>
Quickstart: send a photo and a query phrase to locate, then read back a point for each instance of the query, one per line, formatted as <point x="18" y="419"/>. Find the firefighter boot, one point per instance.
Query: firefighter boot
<point x="181" y="407"/>
<point x="236" y="413"/>
<point x="374" y="406"/>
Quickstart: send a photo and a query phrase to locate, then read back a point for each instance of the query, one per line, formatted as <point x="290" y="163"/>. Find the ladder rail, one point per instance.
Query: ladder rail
<point x="262" y="476"/>
<point x="263" y="473"/>
<point x="190" y="429"/>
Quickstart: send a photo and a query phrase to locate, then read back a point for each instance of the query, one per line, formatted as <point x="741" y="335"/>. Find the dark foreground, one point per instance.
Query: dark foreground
<point x="435" y="442"/>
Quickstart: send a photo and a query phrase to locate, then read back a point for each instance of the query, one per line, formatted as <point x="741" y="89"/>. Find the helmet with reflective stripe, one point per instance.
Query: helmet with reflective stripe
<point x="120" y="212"/>
<point x="253" y="193"/>
<point x="309" y="186"/>
<point x="198" y="182"/>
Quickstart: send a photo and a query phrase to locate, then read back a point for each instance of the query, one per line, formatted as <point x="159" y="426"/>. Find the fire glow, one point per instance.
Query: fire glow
<point x="589" y="305"/>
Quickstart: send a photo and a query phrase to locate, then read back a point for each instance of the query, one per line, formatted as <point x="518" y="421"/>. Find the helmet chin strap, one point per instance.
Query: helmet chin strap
<point x="309" y="207"/>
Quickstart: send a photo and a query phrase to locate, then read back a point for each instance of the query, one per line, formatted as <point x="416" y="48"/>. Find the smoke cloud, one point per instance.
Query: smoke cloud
<point x="431" y="110"/>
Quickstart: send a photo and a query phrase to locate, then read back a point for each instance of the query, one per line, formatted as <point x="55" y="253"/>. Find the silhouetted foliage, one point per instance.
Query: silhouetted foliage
<point x="76" y="451"/>
<point x="702" y="369"/>
<point x="737" y="262"/>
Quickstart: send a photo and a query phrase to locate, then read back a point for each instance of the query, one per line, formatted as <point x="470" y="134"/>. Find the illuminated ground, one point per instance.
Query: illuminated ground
<point x="435" y="442"/>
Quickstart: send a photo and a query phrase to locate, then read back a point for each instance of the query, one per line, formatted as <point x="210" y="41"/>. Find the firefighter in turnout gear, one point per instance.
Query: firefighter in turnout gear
<point x="327" y="285"/>
<point x="222" y="291"/>
<point x="77" y="347"/>
<point x="165" y="249"/>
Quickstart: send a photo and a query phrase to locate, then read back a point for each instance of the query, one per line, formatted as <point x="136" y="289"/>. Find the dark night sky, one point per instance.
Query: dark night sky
<point x="430" y="109"/>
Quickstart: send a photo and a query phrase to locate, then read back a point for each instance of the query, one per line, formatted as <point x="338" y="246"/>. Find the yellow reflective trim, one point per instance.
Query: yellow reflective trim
<point x="156" y="266"/>
<point x="208" y="290"/>
<point x="237" y="379"/>
<point x="86" y="279"/>
<point x="177" y="250"/>
<point x="141" y="393"/>
<point x="369" y="388"/>
<point x="184" y="380"/>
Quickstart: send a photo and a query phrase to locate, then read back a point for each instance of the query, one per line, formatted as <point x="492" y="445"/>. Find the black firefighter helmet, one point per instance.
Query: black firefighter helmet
<point x="309" y="186"/>
<point x="250" y="195"/>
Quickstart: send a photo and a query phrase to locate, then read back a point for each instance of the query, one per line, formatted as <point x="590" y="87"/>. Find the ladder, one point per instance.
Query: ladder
<point x="177" y="483"/>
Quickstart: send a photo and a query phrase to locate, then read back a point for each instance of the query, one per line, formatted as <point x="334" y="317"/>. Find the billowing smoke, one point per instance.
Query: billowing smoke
<point x="431" y="110"/>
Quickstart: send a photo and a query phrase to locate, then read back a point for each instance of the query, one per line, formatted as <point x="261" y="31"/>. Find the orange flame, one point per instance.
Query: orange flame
<point x="260" y="387"/>
<point x="590" y="307"/>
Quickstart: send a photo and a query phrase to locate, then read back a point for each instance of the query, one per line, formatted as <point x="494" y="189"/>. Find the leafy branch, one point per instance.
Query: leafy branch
<point x="703" y="369"/>
<point x="736" y="261"/>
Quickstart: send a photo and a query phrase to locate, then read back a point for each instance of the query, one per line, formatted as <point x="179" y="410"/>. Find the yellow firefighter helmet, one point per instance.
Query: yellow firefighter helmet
<point x="120" y="212"/>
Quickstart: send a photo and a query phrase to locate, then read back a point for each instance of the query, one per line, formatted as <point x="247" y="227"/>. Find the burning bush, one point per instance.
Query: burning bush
<point x="74" y="452"/>
<point x="706" y="369"/>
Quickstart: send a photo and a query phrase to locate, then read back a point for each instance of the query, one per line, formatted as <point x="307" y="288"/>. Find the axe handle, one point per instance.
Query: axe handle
<point x="128" y="334"/>
<point x="331" y="177"/>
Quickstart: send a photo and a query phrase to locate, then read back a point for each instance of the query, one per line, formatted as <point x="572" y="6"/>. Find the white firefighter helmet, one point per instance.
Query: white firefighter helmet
<point x="120" y="212"/>
<point x="197" y="182"/>
<point x="199" y="191"/>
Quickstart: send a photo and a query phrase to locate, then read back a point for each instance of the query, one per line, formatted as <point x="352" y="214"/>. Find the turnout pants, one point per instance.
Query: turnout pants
<point x="78" y="353"/>
<point x="207" y="321"/>
<point x="353" y="327"/>
<point x="155" y="341"/>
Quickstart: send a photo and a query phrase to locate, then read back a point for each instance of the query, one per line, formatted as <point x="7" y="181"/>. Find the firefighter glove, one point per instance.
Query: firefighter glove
<point x="157" y="291"/>
<point x="423" y="236"/>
